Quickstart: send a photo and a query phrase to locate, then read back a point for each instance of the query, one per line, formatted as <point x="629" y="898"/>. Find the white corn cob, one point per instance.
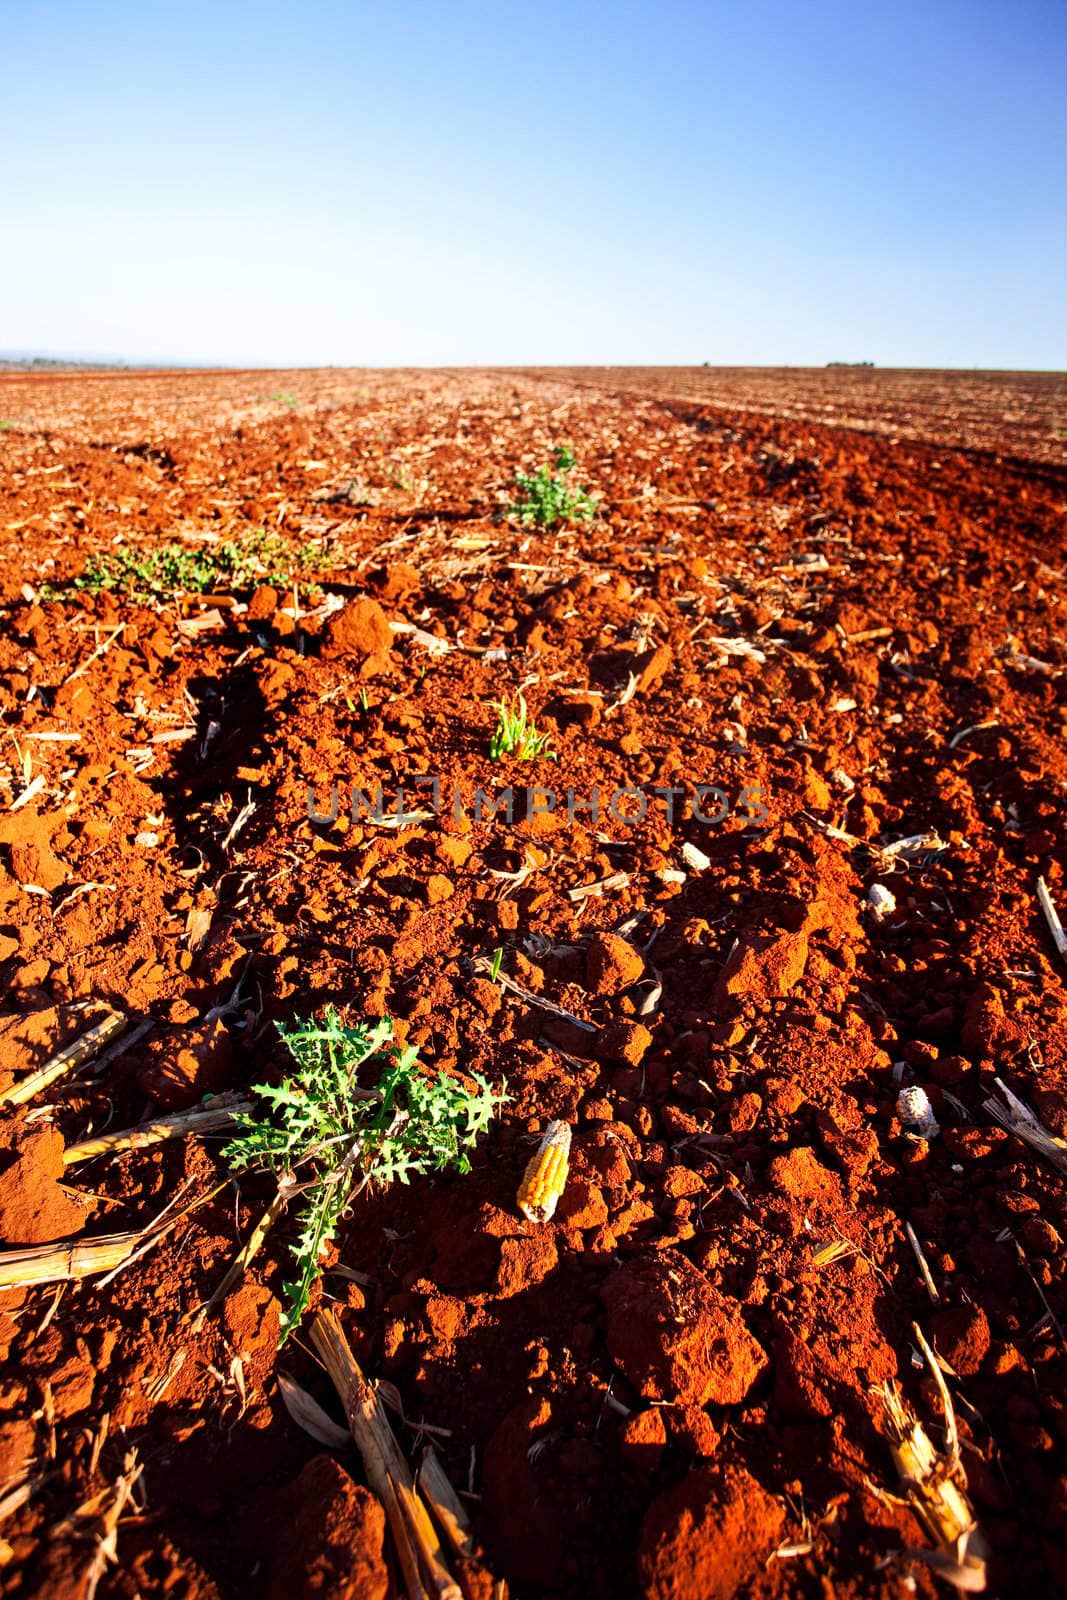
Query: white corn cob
<point x="914" y="1109"/>
<point x="881" y="902"/>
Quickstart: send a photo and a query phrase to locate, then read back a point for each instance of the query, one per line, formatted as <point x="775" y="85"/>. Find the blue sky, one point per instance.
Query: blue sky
<point x="739" y="182"/>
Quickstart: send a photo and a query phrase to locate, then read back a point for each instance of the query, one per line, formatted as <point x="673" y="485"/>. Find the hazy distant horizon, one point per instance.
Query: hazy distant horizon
<point x="16" y="358"/>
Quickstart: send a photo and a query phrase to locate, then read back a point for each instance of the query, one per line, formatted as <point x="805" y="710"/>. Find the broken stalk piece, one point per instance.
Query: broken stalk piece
<point x="929" y="1482"/>
<point x="210" y="1117"/>
<point x="1052" y="917"/>
<point x="84" y="1258"/>
<point x="388" y="1474"/>
<point x="71" y="1056"/>
<point x="1020" y="1120"/>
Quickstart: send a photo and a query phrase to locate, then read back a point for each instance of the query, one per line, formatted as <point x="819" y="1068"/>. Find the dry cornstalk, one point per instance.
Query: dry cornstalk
<point x="70" y="1258"/>
<point x="1020" y="1120"/>
<point x="1052" y="917"/>
<point x="418" y="1547"/>
<point x="19" y="1494"/>
<point x="239" y="1265"/>
<point x="75" y="1259"/>
<point x="616" y="880"/>
<point x="924" y="1265"/>
<point x="99" y="1519"/>
<point x="832" y="1250"/>
<point x="451" y="1517"/>
<point x="445" y="1503"/>
<point x="213" y="1115"/>
<point x="71" y="1056"/>
<point x="934" y="1484"/>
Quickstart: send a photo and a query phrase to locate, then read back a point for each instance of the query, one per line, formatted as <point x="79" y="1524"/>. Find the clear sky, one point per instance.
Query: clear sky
<point x="424" y="182"/>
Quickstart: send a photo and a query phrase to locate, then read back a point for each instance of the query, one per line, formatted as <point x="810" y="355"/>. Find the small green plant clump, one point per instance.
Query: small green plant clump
<point x="285" y="397"/>
<point x="357" y="1111"/>
<point x="156" y="572"/>
<point x="547" y="497"/>
<point x="515" y="734"/>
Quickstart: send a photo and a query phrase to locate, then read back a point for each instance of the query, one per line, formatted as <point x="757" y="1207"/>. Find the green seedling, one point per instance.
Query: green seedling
<point x="147" y="572"/>
<point x="498" y="961"/>
<point x="515" y="734"/>
<point x="358" y="1111"/>
<point x="285" y="397"/>
<point x="547" y="497"/>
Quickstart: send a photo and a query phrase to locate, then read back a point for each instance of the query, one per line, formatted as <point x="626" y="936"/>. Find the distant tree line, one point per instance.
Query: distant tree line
<point x="36" y="363"/>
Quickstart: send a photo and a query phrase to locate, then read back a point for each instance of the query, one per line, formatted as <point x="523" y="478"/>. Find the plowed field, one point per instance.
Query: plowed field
<point x="787" y="662"/>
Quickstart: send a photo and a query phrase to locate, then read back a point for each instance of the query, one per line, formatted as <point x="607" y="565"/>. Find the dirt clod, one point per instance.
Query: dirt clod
<point x="675" y="1337"/>
<point x="710" y="1535"/>
<point x="360" y="629"/>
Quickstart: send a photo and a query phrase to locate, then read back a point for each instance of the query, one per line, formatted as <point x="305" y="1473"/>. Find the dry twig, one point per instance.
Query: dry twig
<point x="98" y="1519"/>
<point x="484" y="968"/>
<point x="924" y="1265"/>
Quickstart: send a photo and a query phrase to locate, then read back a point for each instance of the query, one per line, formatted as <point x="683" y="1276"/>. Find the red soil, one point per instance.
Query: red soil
<point x="661" y="1389"/>
<point x="1020" y="414"/>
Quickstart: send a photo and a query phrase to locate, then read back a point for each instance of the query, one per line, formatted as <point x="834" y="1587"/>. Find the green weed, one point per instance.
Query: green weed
<point x="356" y="1112"/>
<point x="515" y="734"/>
<point x="157" y="572"/>
<point x="547" y="497"/>
<point x="285" y="397"/>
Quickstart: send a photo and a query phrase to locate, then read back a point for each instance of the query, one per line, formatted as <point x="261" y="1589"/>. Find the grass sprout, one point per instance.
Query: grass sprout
<point x="547" y="497"/>
<point x="515" y="734"/>
<point x="357" y="1111"/>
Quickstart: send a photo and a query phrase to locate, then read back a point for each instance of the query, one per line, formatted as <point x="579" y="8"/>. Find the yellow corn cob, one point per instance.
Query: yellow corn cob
<point x="546" y="1174"/>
